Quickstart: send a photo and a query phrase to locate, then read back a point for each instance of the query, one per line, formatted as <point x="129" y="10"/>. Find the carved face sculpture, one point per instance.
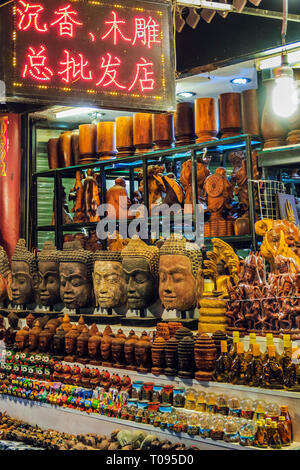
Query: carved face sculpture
<point x="141" y="284"/>
<point x="5" y="276"/>
<point x="59" y="341"/>
<point x="109" y="284"/>
<point x="177" y="285"/>
<point x="70" y="340"/>
<point x="48" y="283"/>
<point x="21" y="339"/>
<point x="33" y="339"/>
<point x="45" y="340"/>
<point x="82" y="343"/>
<point x="24" y="275"/>
<point x="75" y="289"/>
<point x="105" y="347"/>
<point x="94" y="346"/>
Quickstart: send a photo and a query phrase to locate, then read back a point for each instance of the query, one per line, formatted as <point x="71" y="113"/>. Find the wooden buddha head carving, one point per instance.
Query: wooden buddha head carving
<point x="21" y="340"/>
<point x="71" y="339"/>
<point x="82" y="342"/>
<point x="75" y="270"/>
<point x="5" y="276"/>
<point x="179" y="265"/>
<point x="25" y="278"/>
<point x="33" y="339"/>
<point x="109" y="280"/>
<point x="48" y="266"/>
<point x="59" y="341"/>
<point x="140" y="265"/>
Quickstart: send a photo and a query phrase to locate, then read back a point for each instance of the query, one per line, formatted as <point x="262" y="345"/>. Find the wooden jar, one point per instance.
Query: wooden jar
<point x="184" y="124"/>
<point x="124" y="136"/>
<point x="75" y="147"/>
<point x="53" y="158"/>
<point x="230" y="114"/>
<point x="106" y="140"/>
<point x="205" y="357"/>
<point x="171" y="357"/>
<point x="163" y="130"/>
<point x="173" y="327"/>
<point x="250" y="116"/>
<point x="158" y="355"/>
<point x="88" y="143"/>
<point x="186" y="357"/>
<point x="206" y="127"/>
<point x="162" y="329"/>
<point x="142" y="132"/>
<point x="273" y="128"/>
<point x="65" y="149"/>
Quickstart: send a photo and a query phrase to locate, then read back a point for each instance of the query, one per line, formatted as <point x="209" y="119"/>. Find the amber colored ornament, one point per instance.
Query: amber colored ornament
<point x="186" y="357"/>
<point x="250" y="115"/>
<point x="206" y="127"/>
<point x="142" y="132"/>
<point x="75" y="147"/>
<point x="53" y="159"/>
<point x="163" y="130"/>
<point x="205" y="357"/>
<point x="124" y="136"/>
<point x="230" y="114"/>
<point x="158" y="355"/>
<point x="162" y="329"/>
<point x="65" y="149"/>
<point x="273" y="128"/>
<point x="142" y="353"/>
<point x="129" y="347"/>
<point x="88" y="143"/>
<point x="106" y="140"/>
<point x="184" y="124"/>
<point x="171" y="356"/>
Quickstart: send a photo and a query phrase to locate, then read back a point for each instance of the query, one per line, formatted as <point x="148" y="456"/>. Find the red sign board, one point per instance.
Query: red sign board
<point x="98" y="52"/>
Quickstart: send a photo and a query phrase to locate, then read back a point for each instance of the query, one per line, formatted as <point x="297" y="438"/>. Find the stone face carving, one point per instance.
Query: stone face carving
<point x="48" y="266"/>
<point x="5" y="277"/>
<point x="109" y="280"/>
<point x="179" y="264"/>
<point x="24" y="276"/>
<point x="140" y="266"/>
<point x="75" y="269"/>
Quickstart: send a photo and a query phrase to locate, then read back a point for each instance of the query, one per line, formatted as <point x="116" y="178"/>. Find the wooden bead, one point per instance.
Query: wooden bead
<point x="106" y="139"/>
<point x="206" y="127"/>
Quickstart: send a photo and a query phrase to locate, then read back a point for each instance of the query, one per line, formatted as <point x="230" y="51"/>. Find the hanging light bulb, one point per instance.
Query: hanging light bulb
<point x="285" y="93"/>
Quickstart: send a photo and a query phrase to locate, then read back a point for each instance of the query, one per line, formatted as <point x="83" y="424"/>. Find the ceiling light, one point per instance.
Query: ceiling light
<point x="186" y="94"/>
<point x="75" y="112"/>
<point x="240" y="81"/>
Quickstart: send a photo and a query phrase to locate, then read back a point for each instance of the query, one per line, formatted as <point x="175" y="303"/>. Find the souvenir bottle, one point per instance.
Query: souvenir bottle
<point x="205" y="424"/>
<point x="260" y="439"/>
<point x="201" y="402"/>
<point x="268" y="427"/>
<point x="235" y="340"/>
<point x="231" y="430"/>
<point x="272" y="376"/>
<point x="223" y="364"/>
<point x="284" y="412"/>
<point x="272" y="410"/>
<point x="234" y="407"/>
<point x="259" y="407"/>
<point x="193" y="425"/>
<point x="254" y="368"/>
<point x="211" y="402"/>
<point x="217" y="430"/>
<point x="238" y="365"/>
<point x="247" y="408"/>
<point x="252" y="341"/>
<point x="247" y="433"/>
<point x="190" y="399"/>
<point x="275" y="441"/>
<point x="221" y="404"/>
<point x="284" y="431"/>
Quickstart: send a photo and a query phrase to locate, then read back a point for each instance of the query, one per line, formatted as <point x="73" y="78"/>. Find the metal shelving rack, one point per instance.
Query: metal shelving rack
<point x="125" y="167"/>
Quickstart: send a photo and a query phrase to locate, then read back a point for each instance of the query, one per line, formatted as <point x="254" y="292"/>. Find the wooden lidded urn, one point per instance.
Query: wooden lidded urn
<point x="184" y="123"/>
<point x="88" y="143"/>
<point x="53" y="158"/>
<point x="230" y="114"/>
<point x="158" y="355"/>
<point x="106" y="139"/>
<point x="186" y="363"/>
<point x="206" y="127"/>
<point x="205" y="357"/>
<point x="142" y="132"/>
<point x="163" y="130"/>
<point x="124" y="136"/>
<point x="171" y="356"/>
<point x="65" y="149"/>
<point x="250" y="115"/>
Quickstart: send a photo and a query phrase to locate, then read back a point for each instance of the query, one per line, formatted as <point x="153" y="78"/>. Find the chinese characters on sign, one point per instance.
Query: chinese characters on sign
<point x="94" y="47"/>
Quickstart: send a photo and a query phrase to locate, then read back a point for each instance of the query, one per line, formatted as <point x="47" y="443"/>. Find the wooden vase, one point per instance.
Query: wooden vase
<point x="65" y="149"/>
<point x="163" y="130"/>
<point x="142" y="132"/>
<point x="53" y="159"/>
<point x="75" y="147"/>
<point x="88" y="143"/>
<point x="205" y="357"/>
<point x="171" y="356"/>
<point x="186" y="363"/>
<point x="158" y="355"/>
<point x="106" y="140"/>
<point x="273" y="128"/>
<point x="124" y="136"/>
<point x="206" y="127"/>
<point x="230" y="114"/>
<point x="184" y="124"/>
<point x="250" y="116"/>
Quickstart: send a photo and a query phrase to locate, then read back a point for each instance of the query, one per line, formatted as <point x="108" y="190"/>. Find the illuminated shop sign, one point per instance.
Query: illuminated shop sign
<point x="118" y="55"/>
